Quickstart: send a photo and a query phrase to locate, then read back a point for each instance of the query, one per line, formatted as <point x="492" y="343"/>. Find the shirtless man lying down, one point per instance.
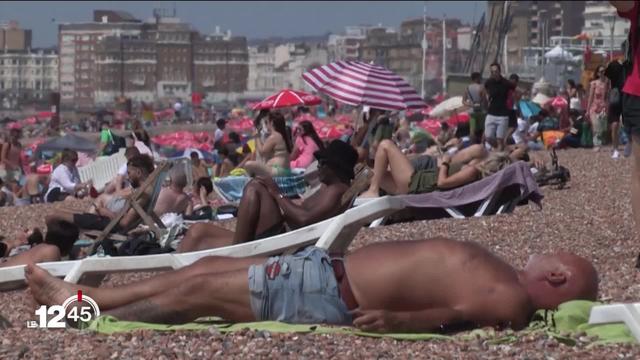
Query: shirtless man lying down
<point x="400" y="286"/>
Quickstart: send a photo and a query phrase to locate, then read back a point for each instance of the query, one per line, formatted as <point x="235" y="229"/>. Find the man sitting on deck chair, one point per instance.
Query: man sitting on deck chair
<point x="398" y="286"/>
<point x="264" y="212"/>
<point x="138" y="169"/>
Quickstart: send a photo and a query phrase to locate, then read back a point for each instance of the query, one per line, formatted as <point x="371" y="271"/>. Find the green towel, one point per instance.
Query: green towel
<point x="571" y="317"/>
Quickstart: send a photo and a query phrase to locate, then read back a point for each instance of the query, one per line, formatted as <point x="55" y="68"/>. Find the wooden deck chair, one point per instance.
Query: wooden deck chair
<point x="147" y="216"/>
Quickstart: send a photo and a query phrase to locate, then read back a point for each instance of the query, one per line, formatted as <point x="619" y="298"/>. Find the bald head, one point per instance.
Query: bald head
<point x="178" y="177"/>
<point x="553" y="279"/>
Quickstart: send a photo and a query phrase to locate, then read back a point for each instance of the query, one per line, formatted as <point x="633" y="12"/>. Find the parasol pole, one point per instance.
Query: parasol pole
<point x="424" y="47"/>
<point x="444" y="54"/>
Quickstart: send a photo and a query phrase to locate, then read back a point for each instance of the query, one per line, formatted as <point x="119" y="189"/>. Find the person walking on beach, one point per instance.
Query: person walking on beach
<point x="631" y="99"/>
<point x="597" y="105"/>
<point x="497" y="91"/>
<point x="475" y="97"/>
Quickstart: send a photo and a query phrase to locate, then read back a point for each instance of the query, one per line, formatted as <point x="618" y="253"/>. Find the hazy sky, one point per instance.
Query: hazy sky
<point x="251" y="18"/>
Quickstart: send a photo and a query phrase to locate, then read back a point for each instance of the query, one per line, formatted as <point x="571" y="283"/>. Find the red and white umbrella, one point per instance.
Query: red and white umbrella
<point x="357" y="83"/>
<point x="287" y="98"/>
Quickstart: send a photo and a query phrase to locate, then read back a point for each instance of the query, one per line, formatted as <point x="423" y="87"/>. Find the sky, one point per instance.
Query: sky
<point x="253" y="19"/>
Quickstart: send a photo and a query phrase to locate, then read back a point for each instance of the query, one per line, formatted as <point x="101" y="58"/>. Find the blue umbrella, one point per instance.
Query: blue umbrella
<point x="529" y="108"/>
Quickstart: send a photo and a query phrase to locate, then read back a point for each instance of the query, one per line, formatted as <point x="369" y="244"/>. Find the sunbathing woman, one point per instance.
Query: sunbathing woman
<point x="56" y="244"/>
<point x="275" y="150"/>
<point x="427" y="173"/>
<point x="307" y="143"/>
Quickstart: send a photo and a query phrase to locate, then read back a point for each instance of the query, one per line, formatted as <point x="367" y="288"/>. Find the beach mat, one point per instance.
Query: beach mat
<point x="571" y="318"/>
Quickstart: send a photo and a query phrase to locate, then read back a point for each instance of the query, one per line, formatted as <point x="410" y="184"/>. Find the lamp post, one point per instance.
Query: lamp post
<point x="612" y="27"/>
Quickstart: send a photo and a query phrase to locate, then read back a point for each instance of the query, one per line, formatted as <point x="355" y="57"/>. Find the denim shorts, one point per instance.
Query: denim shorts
<point x="495" y="126"/>
<point x="299" y="289"/>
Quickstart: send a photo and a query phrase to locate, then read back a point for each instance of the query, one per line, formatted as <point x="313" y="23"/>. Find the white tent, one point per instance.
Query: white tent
<point x="558" y="54"/>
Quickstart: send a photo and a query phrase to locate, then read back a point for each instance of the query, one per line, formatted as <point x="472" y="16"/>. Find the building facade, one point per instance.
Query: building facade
<point x="221" y="64"/>
<point x="13" y="38"/>
<point x="262" y="65"/>
<point x="125" y="67"/>
<point x="401" y="51"/>
<point x="77" y="66"/>
<point x="533" y="23"/>
<point x="26" y="76"/>
<point x="159" y="59"/>
<point x="347" y="46"/>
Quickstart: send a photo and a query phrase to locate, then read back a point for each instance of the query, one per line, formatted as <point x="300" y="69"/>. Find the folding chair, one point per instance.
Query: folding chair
<point x="147" y="216"/>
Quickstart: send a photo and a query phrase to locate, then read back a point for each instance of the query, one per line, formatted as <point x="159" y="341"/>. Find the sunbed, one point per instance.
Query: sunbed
<point x="334" y="234"/>
<point x="628" y="313"/>
<point x="496" y="194"/>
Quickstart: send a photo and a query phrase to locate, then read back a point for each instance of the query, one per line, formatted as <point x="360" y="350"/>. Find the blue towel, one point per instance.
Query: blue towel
<point x="231" y="187"/>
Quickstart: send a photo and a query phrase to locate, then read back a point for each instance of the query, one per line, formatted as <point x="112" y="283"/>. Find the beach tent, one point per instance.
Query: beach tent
<point x="69" y="141"/>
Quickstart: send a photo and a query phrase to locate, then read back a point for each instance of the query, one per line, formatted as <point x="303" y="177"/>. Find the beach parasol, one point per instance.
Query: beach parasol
<point x="287" y="98"/>
<point x="449" y="107"/>
<point x="358" y="83"/>
<point x="541" y="99"/>
<point x="558" y="54"/>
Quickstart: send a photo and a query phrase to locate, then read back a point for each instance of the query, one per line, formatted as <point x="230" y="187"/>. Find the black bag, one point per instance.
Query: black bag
<point x="141" y="246"/>
<point x="117" y="142"/>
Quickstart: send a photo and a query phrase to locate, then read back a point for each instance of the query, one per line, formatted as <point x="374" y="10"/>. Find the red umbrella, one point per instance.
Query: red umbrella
<point x="358" y="83"/>
<point x="456" y="119"/>
<point x="431" y="125"/>
<point x="287" y="98"/>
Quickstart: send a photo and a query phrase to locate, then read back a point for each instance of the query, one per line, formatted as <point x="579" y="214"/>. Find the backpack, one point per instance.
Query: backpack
<point x="117" y="142"/>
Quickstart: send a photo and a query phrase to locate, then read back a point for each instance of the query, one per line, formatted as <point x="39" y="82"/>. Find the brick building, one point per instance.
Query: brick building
<point x="162" y="58"/>
<point x="77" y="44"/>
<point x="221" y="64"/>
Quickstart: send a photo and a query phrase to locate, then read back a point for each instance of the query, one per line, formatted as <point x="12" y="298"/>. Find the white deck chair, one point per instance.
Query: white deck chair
<point x="334" y="234"/>
<point x="503" y="191"/>
<point x="614" y="313"/>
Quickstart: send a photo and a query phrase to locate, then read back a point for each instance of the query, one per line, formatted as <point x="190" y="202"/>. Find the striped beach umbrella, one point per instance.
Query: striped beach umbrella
<point x="357" y="83"/>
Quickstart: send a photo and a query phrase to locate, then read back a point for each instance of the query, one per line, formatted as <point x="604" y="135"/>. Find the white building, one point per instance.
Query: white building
<point x="273" y="68"/>
<point x="262" y="76"/>
<point x="28" y="75"/>
<point x="347" y="46"/>
<point x="464" y="38"/>
<point x="601" y="18"/>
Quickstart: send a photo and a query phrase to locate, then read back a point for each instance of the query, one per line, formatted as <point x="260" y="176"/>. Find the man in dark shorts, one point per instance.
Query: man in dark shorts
<point x="265" y="212"/>
<point x="395" y="286"/>
<point x="138" y="169"/>
<point x="631" y="99"/>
